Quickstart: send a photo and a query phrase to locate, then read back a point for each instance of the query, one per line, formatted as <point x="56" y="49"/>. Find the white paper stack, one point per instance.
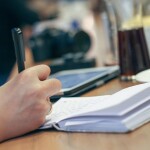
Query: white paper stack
<point x="123" y="111"/>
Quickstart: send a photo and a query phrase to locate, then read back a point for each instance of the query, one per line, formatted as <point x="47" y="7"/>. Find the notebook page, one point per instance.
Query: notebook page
<point x="67" y="107"/>
<point x="124" y="100"/>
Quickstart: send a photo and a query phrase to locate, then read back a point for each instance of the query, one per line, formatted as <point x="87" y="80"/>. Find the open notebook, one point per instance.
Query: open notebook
<point x="123" y="111"/>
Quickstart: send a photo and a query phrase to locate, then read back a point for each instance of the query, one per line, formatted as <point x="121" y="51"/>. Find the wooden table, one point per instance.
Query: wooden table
<point x="55" y="140"/>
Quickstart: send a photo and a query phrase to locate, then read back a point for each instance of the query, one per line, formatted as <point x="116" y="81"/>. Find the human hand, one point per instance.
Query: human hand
<point x="23" y="101"/>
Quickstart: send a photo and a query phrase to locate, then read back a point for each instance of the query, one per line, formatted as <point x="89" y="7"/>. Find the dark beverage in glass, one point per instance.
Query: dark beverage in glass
<point x="133" y="52"/>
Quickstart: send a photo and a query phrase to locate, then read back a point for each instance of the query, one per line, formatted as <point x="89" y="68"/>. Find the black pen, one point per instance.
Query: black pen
<point x="19" y="48"/>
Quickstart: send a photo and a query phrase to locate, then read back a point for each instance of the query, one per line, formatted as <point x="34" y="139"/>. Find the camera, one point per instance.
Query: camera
<point x="55" y="43"/>
<point x="66" y="48"/>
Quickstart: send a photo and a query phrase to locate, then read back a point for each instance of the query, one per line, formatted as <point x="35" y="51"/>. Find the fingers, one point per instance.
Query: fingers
<point x="49" y="106"/>
<point x="51" y="87"/>
<point x="42" y="72"/>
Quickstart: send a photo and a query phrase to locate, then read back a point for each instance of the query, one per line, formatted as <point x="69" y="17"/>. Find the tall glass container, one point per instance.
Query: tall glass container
<point x="132" y="46"/>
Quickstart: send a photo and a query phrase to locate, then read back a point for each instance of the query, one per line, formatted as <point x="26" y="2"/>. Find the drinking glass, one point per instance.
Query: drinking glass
<point x="132" y="46"/>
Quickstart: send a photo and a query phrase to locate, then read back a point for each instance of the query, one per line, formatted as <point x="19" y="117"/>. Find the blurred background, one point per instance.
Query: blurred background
<point x="81" y="32"/>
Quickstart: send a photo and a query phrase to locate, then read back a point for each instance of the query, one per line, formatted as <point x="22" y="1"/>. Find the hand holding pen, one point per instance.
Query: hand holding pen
<point x="27" y="95"/>
<point x="20" y="52"/>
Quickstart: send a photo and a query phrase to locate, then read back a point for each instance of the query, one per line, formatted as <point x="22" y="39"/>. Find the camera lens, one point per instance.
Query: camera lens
<point x="82" y="41"/>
